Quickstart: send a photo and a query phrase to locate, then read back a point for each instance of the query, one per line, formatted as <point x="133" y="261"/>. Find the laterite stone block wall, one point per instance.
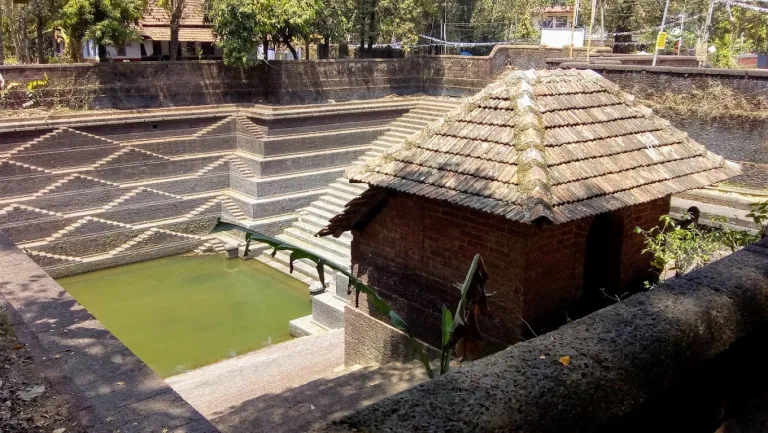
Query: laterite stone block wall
<point x="129" y="85"/>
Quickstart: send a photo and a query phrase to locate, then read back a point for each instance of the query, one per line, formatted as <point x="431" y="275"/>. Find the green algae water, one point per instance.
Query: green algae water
<point x="182" y="312"/>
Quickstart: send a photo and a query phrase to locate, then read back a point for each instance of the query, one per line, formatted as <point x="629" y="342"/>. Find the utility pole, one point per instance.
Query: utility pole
<point x="602" y="18"/>
<point x="591" y="24"/>
<point x="682" y="32"/>
<point x="709" y="21"/>
<point x="661" y="29"/>
<point x="2" y="56"/>
<point x="575" y="20"/>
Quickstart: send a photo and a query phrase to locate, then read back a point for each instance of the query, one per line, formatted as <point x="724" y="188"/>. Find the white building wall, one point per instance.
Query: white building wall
<point x="558" y="38"/>
<point x="132" y="50"/>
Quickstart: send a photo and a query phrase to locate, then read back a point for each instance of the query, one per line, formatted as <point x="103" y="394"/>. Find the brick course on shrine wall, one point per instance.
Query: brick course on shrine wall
<point x="416" y="249"/>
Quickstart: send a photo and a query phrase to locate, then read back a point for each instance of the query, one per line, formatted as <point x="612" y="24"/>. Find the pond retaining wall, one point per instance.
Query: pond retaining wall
<point x="620" y="359"/>
<point x="107" y="386"/>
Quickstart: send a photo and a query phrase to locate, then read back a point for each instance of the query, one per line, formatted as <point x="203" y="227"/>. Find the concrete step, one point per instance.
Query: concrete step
<point x="295" y="237"/>
<point x="312" y="229"/>
<point x="441" y="105"/>
<point x="424" y="111"/>
<point x="328" y="310"/>
<point x="736" y="217"/>
<point x="410" y="126"/>
<point x="316" y="222"/>
<point x="352" y="188"/>
<point x="331" y="207"/>
<point x="304" y="327"/>
<point x="333" y="200"/>
<point x="721" y="198"/>
<point x="399" y="133"/>
<point x="320" y="246"/>
<point x="303" y="270"/>
<point x="342" y="194"/>
<point x="318" y="212"/>
<point x="391" y="139"/>
<point x="427" y="118"/>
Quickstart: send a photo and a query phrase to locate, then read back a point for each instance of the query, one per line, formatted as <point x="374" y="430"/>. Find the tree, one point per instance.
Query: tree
<point x="105" y="22"/>
<point x="2" y="53"/>
<point x="404" y="20"/>
<point x="333" y="22"/>
<point x="18" y="19"/>
<point x="174" y="10"/>
<point x="242" y="25"/>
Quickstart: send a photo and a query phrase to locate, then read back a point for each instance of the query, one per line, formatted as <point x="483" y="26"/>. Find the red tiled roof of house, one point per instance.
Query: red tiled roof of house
<point x="186" y="34"/>
<point x="154" y="24"/>
<point x="551" y="146"/>
<point x="553" y="9"/>
<point x="156" y="16"/>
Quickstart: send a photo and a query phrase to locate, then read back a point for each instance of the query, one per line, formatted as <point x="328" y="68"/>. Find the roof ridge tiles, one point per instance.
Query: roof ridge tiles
<point x="532" y="172"/>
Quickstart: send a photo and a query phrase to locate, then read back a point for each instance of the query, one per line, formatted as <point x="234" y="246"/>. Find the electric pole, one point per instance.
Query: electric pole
<point x="661" y="30"/>
<point x="591" y="24"/>
<point x="575" y="20"/>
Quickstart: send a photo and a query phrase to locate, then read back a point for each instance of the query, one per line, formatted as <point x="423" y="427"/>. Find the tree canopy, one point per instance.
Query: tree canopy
<point x="106" y="22"/>
<point x="241" y="26"/>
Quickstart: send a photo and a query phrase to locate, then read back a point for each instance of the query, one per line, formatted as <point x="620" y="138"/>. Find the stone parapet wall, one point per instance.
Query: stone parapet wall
<point x="139" y="84"/>
<point x="619" y="358"/>
<point x="107" y="387"/>
<point x="646" y="81"/>
<point x="83" y="193"/>
<point x="128" y="85"/>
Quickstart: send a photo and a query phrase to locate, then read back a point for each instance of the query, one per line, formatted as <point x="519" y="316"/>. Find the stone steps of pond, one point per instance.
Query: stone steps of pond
<point x="331" y="207"/>
<point x="327" y="308"/>
<point x="303" y="270"/>
<point x="336" y="252"/>
<point x="305" y="327"/>
<point x="353" y="187"/>
<point x="313" y="219"/>
<point x="341" y="194"/>
<point x="311" y="229"/>
<point x="403" y="129"/>
<point x="735" y="218"/>
<point x="426" y="118"/>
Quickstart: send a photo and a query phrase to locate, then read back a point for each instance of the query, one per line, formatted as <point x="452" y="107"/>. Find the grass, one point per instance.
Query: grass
<point x="712" y="101"/>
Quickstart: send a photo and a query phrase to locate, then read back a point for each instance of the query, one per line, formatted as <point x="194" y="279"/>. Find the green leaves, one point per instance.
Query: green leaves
<point x="682" y="248"/>
<point x="105" y="22"/>
<point x="298" y="253"/>
<point x="242" y="25"/>
<point x="759" y="213"/>
<point x="447" y="331"/>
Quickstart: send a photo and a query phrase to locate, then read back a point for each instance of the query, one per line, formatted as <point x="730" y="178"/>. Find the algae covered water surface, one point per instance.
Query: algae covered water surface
<point x="180" y="313"/>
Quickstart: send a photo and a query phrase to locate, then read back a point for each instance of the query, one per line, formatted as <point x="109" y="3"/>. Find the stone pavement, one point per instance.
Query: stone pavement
<point x="217" y="389"/>
<point x="291" y="387"/>
<point x="108" y="387"/>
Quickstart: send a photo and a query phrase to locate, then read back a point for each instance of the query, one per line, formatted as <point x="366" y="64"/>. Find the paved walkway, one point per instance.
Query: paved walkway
<point x="292" y="387"/>
<point x="217" y="389"/>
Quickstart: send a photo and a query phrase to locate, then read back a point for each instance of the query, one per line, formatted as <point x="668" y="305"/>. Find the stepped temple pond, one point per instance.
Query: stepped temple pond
<point x="183" y="312"/>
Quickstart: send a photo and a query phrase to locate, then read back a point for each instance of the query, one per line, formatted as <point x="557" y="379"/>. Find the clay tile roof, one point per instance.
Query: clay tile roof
<point x="156" y="16"/>
<point x="186" y="34"/>
<point x="547" y="146"/>
<point x="154" y="24"/>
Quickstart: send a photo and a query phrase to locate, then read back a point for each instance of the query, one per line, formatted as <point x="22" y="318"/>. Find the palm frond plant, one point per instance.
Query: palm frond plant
<point x="460" y="332"/>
